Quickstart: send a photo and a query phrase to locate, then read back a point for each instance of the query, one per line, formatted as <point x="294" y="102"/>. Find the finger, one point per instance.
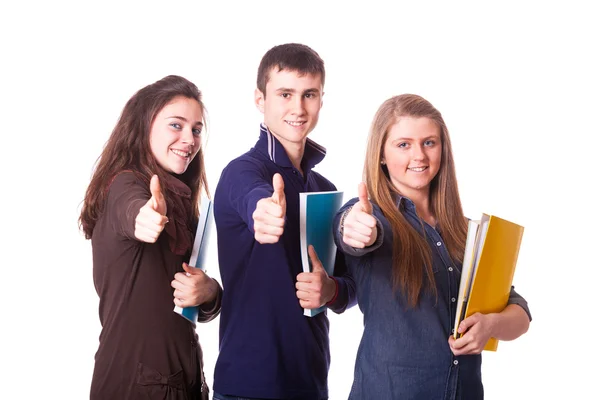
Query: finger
<point x="150" y="229"/>
<point x="303" y="280"/>
<point x="363" y="198"/>
<point x="267" y="208"/>
<point x="451" y="341"/>
<point x="307" y="303"/>
<point x="149" y="218"/>
<point x="470" y="348"/>
<point x="145" y="234"/>
<point x="356" y="236"/>
<point x="192" y="270"/>
<point x="460" y="343"/>
<point x="366" y="219"/>
<point x="189" y="281"/>
<point x="278" y="194"/>
<point x="155" y="191"/>
<point x="178" y="283"/>
<point x="353" y="243"/>
<point x="183" y="303"/>
<point x="158" y="201"/>
<point x="300" y="295"/>
<point x="306" y="296"/>
<point x="145" y="238"/>
<point x="357" y="227"/>
<point x="269" y="213"/>
<point x="314" y="258"/>
<point x="468" y="322"/>
<point x="266" y="239"/>
<point x="267" y="229"/>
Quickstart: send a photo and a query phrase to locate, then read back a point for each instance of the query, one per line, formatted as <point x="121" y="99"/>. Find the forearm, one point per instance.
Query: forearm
<point x="510" y="323"/>
<point x="241" y="186"/>
<point x="126" y="197"/>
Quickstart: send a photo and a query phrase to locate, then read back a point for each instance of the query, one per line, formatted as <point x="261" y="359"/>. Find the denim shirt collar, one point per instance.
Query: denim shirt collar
<point x="404" y="203"/>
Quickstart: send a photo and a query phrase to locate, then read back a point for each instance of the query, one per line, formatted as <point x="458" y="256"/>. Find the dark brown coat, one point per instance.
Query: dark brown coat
<point x="146" y="350"/>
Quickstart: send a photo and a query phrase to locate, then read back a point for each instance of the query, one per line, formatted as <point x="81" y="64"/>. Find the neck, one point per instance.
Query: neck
<point x="294" y="150"/>
<point x="295" y="154"/>
<point x="423" y="206"/>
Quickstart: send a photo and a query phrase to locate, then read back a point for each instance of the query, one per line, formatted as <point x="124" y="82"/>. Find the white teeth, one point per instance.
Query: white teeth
<point x="181" y="153"/>
<point x="419" y="169"/>
<point x="294" y="123"/>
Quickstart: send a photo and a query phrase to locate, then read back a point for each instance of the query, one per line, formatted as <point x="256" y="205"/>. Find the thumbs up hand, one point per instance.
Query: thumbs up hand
<point x="359" y="227"/>
<point x="151" y="219"/>
<point x="315" y="288"/>
<point x="269" y="216"/>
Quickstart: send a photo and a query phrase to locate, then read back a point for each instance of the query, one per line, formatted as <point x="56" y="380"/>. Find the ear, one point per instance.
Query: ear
<point x="259" y="100"/>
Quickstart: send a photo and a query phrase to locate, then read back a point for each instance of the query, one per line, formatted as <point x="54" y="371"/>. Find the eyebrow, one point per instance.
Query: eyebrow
<point x="184" y="119"/>
<point x="413" y="139"/>
<point x="283" y="89"/>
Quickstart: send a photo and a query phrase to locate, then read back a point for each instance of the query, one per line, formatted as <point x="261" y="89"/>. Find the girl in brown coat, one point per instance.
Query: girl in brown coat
<point x="140" y="211"/>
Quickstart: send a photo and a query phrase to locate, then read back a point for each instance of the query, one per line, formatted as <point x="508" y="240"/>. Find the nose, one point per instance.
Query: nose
<point x="187" y="137"/>
<point x="418" y="153"/>
<point x="298" y="105"/>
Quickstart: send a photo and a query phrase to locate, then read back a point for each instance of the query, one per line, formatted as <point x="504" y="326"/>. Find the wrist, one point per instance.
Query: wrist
<point x="211" y="293"/>
<point x="332" y="283"/>
<point x="343" y="219"/>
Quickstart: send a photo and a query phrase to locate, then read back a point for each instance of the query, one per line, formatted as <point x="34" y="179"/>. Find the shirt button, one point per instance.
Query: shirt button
<point x="439" y="243"/>
<point x="453" y="299"/>
<point x="453" y="331"/>
<point x="450" y="269"/>
<point x="455" y="362"/>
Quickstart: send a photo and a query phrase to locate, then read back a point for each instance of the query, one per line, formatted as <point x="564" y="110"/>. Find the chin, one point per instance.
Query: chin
<point x="178" y="171"/>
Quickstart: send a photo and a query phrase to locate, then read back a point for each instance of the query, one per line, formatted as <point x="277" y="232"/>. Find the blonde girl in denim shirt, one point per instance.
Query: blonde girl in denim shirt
<point x="404" y="248"/>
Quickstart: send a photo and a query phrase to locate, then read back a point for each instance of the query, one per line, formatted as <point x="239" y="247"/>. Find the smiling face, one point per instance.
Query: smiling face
<point x="175" y="134"/>
<point x="412" y="153"/>
<point x="290" y="104"/>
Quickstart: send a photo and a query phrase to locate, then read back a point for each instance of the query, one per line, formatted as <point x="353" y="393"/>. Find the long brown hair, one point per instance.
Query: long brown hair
<point x="410" y="248"/>
<point x="128" y="148"/>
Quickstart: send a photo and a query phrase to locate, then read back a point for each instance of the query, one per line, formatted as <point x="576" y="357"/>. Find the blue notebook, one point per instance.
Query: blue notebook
<point x="199" y="251"/>
<point x="317" y="210"/>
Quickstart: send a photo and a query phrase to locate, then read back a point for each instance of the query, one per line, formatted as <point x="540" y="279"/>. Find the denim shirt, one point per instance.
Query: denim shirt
<point x="404" y="352"/>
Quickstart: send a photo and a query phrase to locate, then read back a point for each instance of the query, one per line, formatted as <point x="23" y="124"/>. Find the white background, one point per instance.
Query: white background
<point x="517" y="84"/>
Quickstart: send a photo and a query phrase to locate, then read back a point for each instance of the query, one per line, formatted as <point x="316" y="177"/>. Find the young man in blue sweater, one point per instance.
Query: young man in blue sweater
<point x="268" y="348"/>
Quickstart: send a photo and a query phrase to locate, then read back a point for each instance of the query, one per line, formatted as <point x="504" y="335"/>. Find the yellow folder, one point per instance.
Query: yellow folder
<point x="488" y="269"/>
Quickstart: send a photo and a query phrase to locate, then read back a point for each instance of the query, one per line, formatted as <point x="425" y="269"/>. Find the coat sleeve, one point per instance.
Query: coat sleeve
<point x="126" y="196"/>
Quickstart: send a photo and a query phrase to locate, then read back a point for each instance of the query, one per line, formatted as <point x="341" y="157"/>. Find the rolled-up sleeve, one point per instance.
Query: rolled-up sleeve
<point x="516" y="298"/>
<point x="209" y="311"/>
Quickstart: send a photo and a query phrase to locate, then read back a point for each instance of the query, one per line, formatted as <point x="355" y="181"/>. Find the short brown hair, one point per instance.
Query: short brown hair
<point x="291" y="57"/>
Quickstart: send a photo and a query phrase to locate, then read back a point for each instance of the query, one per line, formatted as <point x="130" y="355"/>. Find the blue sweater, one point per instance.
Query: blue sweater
<point x="268" y="348"/>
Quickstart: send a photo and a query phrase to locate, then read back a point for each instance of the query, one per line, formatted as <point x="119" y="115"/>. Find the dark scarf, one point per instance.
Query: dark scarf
<point x="179" y="212"/>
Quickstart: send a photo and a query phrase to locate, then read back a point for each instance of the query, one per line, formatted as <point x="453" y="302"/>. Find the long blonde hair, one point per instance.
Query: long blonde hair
<point x="410" y="248"/>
